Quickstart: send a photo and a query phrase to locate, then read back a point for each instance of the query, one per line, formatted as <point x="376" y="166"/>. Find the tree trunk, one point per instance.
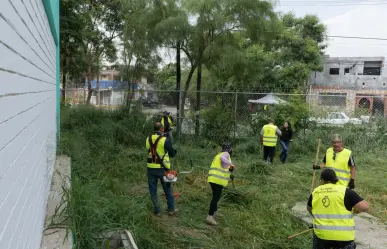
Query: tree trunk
<point x="89" y="90"/>
<point x="178" y="82"/>
<point x="197" y="109"/>
<point x="97" y="86"/>
<point x="64" y="86"/>
<point x="191" y="72"/>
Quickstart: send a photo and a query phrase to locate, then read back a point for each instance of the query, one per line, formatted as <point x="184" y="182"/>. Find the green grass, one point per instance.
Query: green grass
<point x="109" y="186"/>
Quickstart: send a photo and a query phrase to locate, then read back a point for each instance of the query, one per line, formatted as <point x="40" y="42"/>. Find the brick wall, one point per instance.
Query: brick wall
<point x="27" y="121"/>
<point x="352" y="97"/>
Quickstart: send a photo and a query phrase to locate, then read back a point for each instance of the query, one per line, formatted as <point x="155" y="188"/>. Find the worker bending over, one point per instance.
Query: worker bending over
<point x="341" y="161"/>
<point x="331" y="206"/>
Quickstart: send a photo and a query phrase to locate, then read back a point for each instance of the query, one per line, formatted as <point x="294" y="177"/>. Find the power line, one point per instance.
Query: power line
<point x="358" y="37"/>
<point x="328" y="3"/>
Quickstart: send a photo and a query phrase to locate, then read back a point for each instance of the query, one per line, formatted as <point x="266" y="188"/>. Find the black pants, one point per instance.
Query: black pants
<point x="216" y="192"/>
<point x="268" y="153"/>
<point x="329" y="244"/>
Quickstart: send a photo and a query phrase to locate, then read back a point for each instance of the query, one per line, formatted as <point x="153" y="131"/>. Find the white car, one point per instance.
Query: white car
<point x="336" y="118"/>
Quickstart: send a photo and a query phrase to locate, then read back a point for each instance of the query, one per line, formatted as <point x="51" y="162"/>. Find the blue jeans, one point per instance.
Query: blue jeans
<point x="153" y="176"/>
<point x="285" y="148"/>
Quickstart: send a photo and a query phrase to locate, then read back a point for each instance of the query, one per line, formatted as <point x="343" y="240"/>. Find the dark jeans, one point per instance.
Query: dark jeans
<point x="329" y="244"/>
<point x="216" y="192"/>
<point x="268" y="153"/>
<point x="153" y="176"/>
<point x="285" y="149"/>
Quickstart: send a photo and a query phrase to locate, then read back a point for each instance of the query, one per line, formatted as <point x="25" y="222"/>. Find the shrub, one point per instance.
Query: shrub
<point x="218" y="123"/>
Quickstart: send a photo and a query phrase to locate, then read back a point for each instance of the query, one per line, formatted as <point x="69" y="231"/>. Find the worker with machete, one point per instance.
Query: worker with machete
<point x="332" y="206"/>
<point x="341" y="161"/>
<point x="159" y="151"/>
<point x="218" y="177"/>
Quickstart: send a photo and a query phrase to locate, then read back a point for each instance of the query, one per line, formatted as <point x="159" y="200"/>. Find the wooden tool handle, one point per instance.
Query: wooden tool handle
<point x="315" y="162"/>
<point x="292" y="236"/>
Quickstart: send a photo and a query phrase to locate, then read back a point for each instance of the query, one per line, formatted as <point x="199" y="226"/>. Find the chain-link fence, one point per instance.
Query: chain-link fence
<point x="242" y="114"/>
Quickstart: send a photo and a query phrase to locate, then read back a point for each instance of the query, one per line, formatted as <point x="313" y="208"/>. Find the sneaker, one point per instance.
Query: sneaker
<point x="173" y="212"/>
<point x="211" y="221"/>
<point x="158" y="214"/>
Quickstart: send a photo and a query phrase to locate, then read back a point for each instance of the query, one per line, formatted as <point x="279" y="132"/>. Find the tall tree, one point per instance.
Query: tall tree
<point x="213" y="29"/>
<point x="71" y="41"/>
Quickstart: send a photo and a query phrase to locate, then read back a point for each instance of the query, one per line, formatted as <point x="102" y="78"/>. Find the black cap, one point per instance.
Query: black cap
<point x="226" y="146"/>
<point x="328" y="175"/>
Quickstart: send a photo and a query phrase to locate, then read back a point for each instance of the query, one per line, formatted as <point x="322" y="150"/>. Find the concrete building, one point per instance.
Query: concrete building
<point x="350" y="83"/>
<point x="113" y="91"/>
<point x="29" y="117"/>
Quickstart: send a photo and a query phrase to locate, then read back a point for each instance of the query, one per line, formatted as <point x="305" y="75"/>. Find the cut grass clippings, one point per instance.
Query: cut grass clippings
<point x="110" y="192"/>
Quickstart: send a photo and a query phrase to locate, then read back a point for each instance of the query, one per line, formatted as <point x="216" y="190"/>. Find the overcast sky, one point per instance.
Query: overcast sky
<point x="347" y="18"/>
<point x="360" y="18"/>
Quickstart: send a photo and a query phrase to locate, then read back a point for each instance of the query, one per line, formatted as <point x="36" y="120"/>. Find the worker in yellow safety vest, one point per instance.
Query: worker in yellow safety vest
<point x="332" y="206"/>
<point x="159" y="151"/>
<point x="269" y="137"/>
<point x="341" y="161"/>
<point x="168" y="124"/>
<point x="218" y="177"/>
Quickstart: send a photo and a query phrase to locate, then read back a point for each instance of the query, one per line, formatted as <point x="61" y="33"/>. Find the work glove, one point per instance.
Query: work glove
<point x="316" y="166"/>
<point x="232" y="177"/>
<point x="231" y="169"/>
<point x="351" y="184"/>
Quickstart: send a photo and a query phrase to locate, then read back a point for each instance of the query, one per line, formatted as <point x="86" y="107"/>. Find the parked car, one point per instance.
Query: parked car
<point x="336" y="119"/>
<point x="150" y="103"/>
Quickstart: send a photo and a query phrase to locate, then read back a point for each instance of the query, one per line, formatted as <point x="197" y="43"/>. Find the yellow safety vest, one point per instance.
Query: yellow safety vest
<point x="331" y="220"/>
<point x="269" y="135"/>
<point x="154" y="162"/>
<point x="169" y="120"/>
<point x="217" y="173"/>
<point x="339" y="165"/>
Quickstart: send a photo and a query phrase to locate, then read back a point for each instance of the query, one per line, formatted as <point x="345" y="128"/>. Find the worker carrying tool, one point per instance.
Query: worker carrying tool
<point x="218" y="177"/>
<point x="341" y="161"/>
<point x="332" y="206"/>
<point x="159" y="152"/>
<point x="168" y="124"/>
<point x="269" y="137"/>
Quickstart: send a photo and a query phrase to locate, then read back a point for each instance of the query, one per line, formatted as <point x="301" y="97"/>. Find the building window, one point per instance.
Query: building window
<point x="371" y="71"/>
<point x="372" y="67"/>
<point x="346" y="70"/>
<point x="334" y="71"/>
<point x="332" y="99"/>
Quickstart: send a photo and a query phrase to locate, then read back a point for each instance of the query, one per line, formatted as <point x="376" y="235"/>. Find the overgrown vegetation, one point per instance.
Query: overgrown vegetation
<point x="109" y="185"/>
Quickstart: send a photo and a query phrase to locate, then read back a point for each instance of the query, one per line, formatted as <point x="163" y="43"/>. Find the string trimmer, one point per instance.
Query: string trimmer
<point x="171" y="177"/>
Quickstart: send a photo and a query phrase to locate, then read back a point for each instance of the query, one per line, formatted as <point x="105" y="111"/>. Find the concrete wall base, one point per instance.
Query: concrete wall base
<point x="61" y="237"/>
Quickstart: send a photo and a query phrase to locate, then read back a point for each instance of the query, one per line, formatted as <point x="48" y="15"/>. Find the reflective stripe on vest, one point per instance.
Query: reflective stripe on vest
<point x="331" y="219"/>
<point x="160" y="150"/>
<point x="217" y="174"/>
<point x="269" y="135"/>
<point x="339" y="165"/>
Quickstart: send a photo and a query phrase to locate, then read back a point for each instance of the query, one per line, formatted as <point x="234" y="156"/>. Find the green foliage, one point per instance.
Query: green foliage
<point x="294" y="112"/>
<point x="109" y="186"/>
<point x="218" y="123"/>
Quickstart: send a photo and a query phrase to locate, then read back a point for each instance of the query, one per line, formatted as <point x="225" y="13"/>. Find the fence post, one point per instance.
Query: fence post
<point x="235" y="113"/>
